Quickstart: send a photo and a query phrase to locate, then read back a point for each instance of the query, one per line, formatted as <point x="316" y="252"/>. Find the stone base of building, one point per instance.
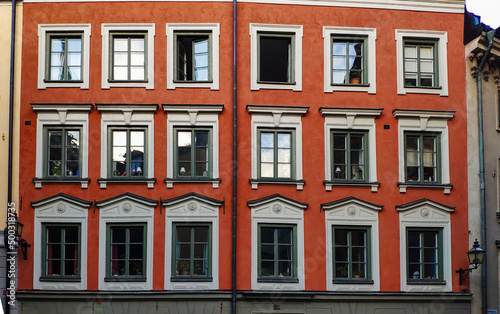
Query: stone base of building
<point x="248" y="302"/>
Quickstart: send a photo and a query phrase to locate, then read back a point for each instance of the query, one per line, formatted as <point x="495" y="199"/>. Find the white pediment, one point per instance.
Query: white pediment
<point x="61" y="205"/>
<point x="192" y="205"/>
<point x="351" y="208"/>
<point x="127" y="205"/>
<point x="277" y="206"/>
<point x="424" y="210"/>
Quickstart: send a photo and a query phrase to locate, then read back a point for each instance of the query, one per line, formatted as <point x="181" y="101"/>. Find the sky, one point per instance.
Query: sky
<point x="489" y="10"/>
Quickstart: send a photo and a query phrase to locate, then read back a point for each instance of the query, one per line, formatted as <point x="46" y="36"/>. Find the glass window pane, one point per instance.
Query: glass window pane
<point x="56" y="73"/>
<point x="338" y="77"/>
<point x="74" y="73"/>
<point x="120" y="58"/>
<point x="57" y="45"/>
<point x="57" y="59"/>
<point x="410" y="51"/>
<point x="426" y="66"/>
<point x="201" y="74"/>
<point x="120" y="44"/>
<point x="137" y="58"/>
<point x="75" y="44"/>
<point x="339" y="63"/>
<point x="339" y="48"/>
<point x="284" y="171"/>
<point x="410" y="65"/>
<point x="284" y="140"/>
<point x="137" y="73"/>
<point x="284" y="155"/>
<point x="137" y="44"/>
<point x="426" y="52"/>
<point x="120" y="73"/>
<point x="266" y="139"/>
<point x="74" y="59"/>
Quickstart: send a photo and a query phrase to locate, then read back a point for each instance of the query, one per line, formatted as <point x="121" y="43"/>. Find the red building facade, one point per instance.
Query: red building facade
<point x="350" y="172"/>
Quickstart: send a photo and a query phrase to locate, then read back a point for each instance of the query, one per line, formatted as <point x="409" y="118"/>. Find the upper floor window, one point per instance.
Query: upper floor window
<point x="193" y="55"/>
<point x="127" y="55"/>
<point x="128" y="147"/>
<point x="193" y="153"/>
<point x="349" y="155"/>
<point x="63" y="56"/>
<point x="422" y="157"/>
<point x="349" y="59"/>
<point x="63" y="152"/>
<point x="276" y="56"/>
<point x="61" y="251"/>
<point x="128" y="59"/>
<point x="422" y="63"/>
<point x="275" y="153"/>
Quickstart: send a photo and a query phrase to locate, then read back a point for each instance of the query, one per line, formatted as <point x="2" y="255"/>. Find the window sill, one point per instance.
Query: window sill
<point x="422" y="90"/>
<point x="403" y="186"/>
<point x="60" y="279"/>
<point x="84" y="182"/>
<point x="278" y="280"/>
<point x="124" y="279"/>
<point x="257" y="85"/>
<point x="191" y="279"/>
<point x="127" y="81"/>
<point x="255" y="183"/>
<point x="353" y="184"/>
<point x="353" y="281"/>
<point x="426" y="282"/>
<point x="103" y="182"/>
<point x="63" y="82"/>
<point x="193" y="84"/>
<point x="170" y="182"/>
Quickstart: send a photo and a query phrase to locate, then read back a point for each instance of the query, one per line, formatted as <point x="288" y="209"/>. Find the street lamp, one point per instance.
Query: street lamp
<point x="18" y="232"/>
<point x="476" y="257"/>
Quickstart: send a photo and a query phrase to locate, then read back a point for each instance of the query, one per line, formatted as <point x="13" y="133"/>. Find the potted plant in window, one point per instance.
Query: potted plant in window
<point x="357" y="274"/>
<point x="355" y="77"/>
<point x="183" y="267"/>
<point x="342" y="271"/>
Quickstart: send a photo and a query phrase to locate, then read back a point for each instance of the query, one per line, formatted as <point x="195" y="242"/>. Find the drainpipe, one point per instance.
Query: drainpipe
<point x="235" y="166"/>
<point x="11" y="131"/>
<point x="490" y="35"/>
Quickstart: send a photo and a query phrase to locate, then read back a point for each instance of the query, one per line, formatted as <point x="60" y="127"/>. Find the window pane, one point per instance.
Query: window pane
<point x="339" y="63"/>
<point x="74" y="59"/>
<point x="410" y="65"/>
<point x="426" y="52"/>
<point x="137" y="59"/>
<point x="137" y="44"/>
<point x="120" y="58"/>
<point x="267" y="235"/>
<point x="57" y="59"/>
<point x="284" y="140"/>
<point x="410" y="51"/>
<point x="266" y="140"/>
<point x="137" y="73"/>
<point x="284" y="171"/>
<point x="57" y="45"/>
<point x="120" y="73"/>
<point x="120" y="44"/>
<point x="274" y="59"/>
<point x="426" y="66"/>
<point x="75" y="44"/>
<point x="339" y="76"/>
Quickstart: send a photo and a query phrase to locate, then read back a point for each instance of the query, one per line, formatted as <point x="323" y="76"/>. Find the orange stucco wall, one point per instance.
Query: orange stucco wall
<point x="313" y="18"/>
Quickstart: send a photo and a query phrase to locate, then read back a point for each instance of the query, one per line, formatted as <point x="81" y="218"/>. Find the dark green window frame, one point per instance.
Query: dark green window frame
<point x="187" y="262"/>
<point x="129" y="37"/>
<point x="185" y="56"/>
<point x="280" y="254"/>
<point x="61" y="251"/>
<point x="62" y="167"/>
<point x="351" y="254"/>
<point x="131" y="168"/>
<point x="279" y="152"/>
<point x="344" y="50"/>
<point x="264" y="39"/>
<point x="417" y="168"/>
<point x="416" y="73"/>
<point x="344" y="166"/>
<point x="65" y="59"/>
<point x="124" y="266"/>
<point x="187" y="168"/>
<point x="424" y="255"/>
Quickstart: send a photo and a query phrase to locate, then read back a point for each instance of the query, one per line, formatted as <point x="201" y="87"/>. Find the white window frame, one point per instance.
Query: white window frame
<point x="113" y="115"/>
<point x="351" y="119"/>
<point x="356" y="213"/>
<point x="106" y="30"/>
<point x="214" y="29"/>
<point x="192" y="208"/>
<point x="76" y="115"/>
<point x="61" y="209"/>
<point x="192" y="116"/>
<point x="370" y="36"/>
<point x="297" y="31"/>
<point x="442" y="41"/>
<point x="426" y="214"/>
<point x="278" y="210"/>
<point x="126" y="208"/>
<point x="43" y="29"/>
<point x="424" y="121"/>
<point x="277" y="117"/>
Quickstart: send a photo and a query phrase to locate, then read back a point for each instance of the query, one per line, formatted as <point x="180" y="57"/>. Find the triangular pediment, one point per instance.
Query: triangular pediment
<point x="192" y="204"/>
<point x="425" y="209"/>
<point x="351" y="208"/>
<point x="61" y="205"/>
<point x="127" y="204"/>
<point x="277" y="205"/>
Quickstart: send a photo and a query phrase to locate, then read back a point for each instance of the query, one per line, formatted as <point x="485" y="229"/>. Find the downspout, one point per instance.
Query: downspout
<point x="235" y="166"/>
<point x="490" y="35"/>
<point x="11" y="135"/>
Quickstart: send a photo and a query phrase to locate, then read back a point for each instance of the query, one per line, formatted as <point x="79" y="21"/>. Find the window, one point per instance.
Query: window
<point x="351" y="253"/>
<point x="349" y="155"/>
<point x="63" y="152"/>
<point x="276" y="145"/>
<point x="63" y="55"/>
<point x="276" y="56"/>
<point x="352" y="239"/>
<point x="349" y="59"/>
<point x="424" y="254"/>
<point x="422" y="157"/>
<point x="193" y="55"/>
<point x="127" y="55"/>
<point x="193" y="153"/>
<point x="128" y="149"/>
<point x="277" y="236"/>
<point x="193" y="144"/>
<point x="422" y="64"/>
<point x="276" y="153"/>
<point x="128" y="59"/>
<point x="61" y="251"/>
<point x="192" y="248"/>
<point x="277" y="252"/>
<point x="126" y="252"/>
